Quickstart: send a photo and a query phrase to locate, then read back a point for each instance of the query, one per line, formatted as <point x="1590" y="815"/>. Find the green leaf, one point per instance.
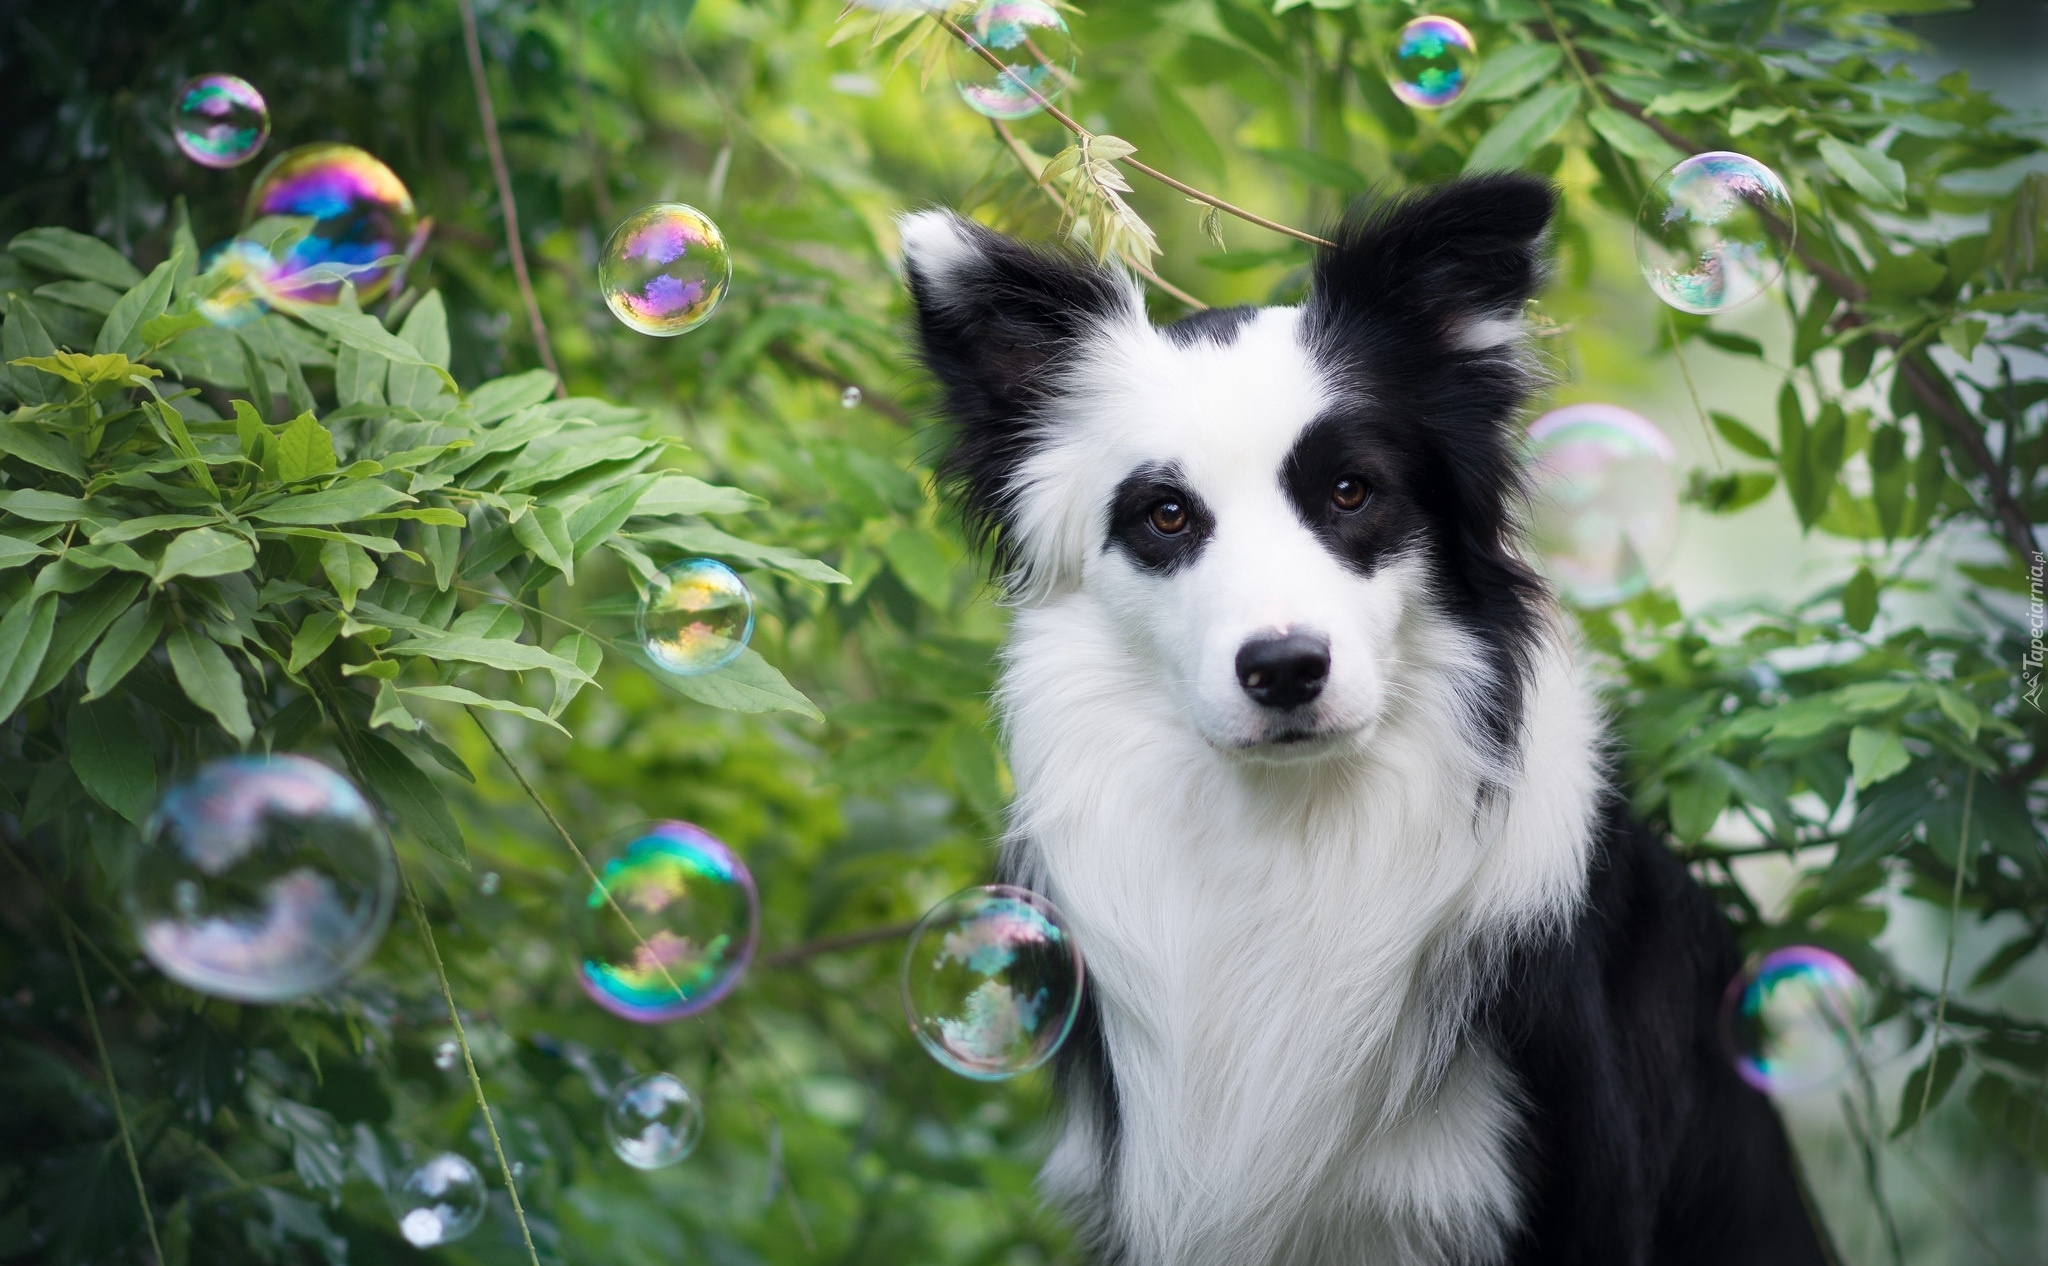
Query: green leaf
<point x="680" y="494"/>
<point x="1697" y="798"/>
<point x="1631" y="136"/>
<point x="587" y="653"/>
<point x="15" y="552"/>
<point x="204" y="552"/>
<point x="1874" y="177"/>
<point x="544" y="531"/>
<point x="2009" y="955"/>
<point x="210" y="680"/>
<point x="349" y="568"/>
<point x="488" y="651"/>
<point x="1960" y="711"/>
<point x="389" y="709"/>
<point x="702" y="538"/>
<point x="426" y="329"/>
<point x="128" y="639"/>
<point x="21" y="336"/>
<point x="130" y="529"/>
<point x="2013" y="1114"/>
<point x="1693" y="100"/>
<point x="409" y="795"/>
<point x="1918" y="1095"/>
<point x="471" y="699"/>
<point x="443" y="549"/>
<point x="359" y="377"/>
<point x="1859" y="600"/>
<point x="1523" y="130"/>
<point x="1513" y="70"/>
<point x="75" y="255"/>
<point x="926" y="563"/>
<point x="43" y="507"/>
<point x="312" y="640"/>
<point x="24" y="639"/>
<point x="81" y="626"/>
<point x="111" y="757"/>
<point x="500" y="398"/>
<point x="364" y="333"/>
<point x="304" y="449"/>
<point x="1745" y="440"/>
<point x="343" y="503"/>
<point x="38" y="447"/>
<point x="748" y="684"/>
<point x="122" y="331"/>
<point x="1876" y="755"/>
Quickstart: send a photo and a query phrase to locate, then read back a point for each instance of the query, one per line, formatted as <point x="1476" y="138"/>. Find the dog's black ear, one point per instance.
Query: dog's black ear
<point x="1454" y="263"/>
<point x="996" y="320"/>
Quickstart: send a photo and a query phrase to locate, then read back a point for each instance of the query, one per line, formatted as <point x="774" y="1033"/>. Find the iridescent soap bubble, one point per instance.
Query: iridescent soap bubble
<point x="1604" y="504"/>
<point x="442" y="1200"/>
<point x="669" y="927"/>
<point x="664" y="269"/>
<point x="992" y="981"/>
<point x="850" y="398"/>
<point x="235" y="283"/>
<point x="264" y="878"/>
<point x="1714" y="231"/>
<point x="695" y="617"/>
<point x="219" y="120"/>
<point x="1030" y="39"/>
<point x="335" y="214"/>
<point x="652" y="1120"/>
<point x="1794" y="1019"/>
<point x="1432" y="62"/>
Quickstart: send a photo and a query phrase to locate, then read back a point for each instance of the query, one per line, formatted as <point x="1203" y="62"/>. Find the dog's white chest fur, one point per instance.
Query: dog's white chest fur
<point x="1283" y="954"/>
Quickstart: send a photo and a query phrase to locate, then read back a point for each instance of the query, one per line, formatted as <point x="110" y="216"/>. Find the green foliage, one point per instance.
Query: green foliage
<point x="304" y="536"/>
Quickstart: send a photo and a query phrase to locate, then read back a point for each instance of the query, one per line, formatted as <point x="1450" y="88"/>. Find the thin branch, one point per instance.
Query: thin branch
<point x="1068" y="122"/>
<point x="1948" y="956"/>
<point x="1023" y="158"/>
<point x="841" y="941"/>
<point x="507" y="207"/>
<point x="99" y="1041"/>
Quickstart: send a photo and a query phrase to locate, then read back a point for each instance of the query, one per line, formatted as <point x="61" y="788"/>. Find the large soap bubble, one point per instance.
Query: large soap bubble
<point x="1432" y="62"/>
<point x="346" y="217"/>
<point x="669" y="927"/>
<point x="652" y="1121"/>
<point x="263" y="879"/>
<point x="1794" y="1019"/>
<point x="1030" y="39"/>
<point x="664" y="269"/>
<point x="219" y="120"/>
<point x="695" y="617"/>
<point x="442" y="1200"/>
<point x="1713" y="232"/>
<point x="992" y="981"/>
<point x="1604" y="504"/>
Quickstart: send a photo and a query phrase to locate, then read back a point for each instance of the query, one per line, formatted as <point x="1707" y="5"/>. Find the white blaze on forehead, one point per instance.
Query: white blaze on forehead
<point x="1225" y="415"/>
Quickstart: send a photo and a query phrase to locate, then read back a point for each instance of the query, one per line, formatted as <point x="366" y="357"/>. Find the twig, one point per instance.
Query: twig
<point x="476" y="1084"/>
<point x="841" y="941"/>
<point x="506" y="205"/>
<point x="99" y="1041"/>
<point x="1678" y="350"/>
<point x="1023" y="158"/>
<point x="1068" y="122"/>
<point x="1948" y="956"/>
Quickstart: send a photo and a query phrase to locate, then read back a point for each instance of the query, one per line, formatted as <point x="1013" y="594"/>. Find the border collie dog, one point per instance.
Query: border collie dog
<point x="1380" y="971"/>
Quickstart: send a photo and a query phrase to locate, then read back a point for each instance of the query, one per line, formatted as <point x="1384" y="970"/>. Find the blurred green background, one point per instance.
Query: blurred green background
<point x="831" y="1137"/>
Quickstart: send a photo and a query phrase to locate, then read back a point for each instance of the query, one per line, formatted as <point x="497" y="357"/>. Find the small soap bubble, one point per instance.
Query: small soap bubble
<point x="331" y="213"/>
<point x="1432" y="62"/>
<point x="488" y="885"/>
<point x="219" y="120"/>
<point x="1604" y="509"/>
<point x="442" y="1200"/>
<point x="264" y="878"/>
<point x="1714" y="231"/>
<point x="664" y="269"/>
<point x="653" y="1120"/>
<point x="669" y="927"/>
<point x="992" y="981"/>
<point x="695" y="617"/>
<point x="1030" y="39"/>
<point x="445" y="1055"/>
<point x="1794" y="1019"/>
<point x="850" y="398"/>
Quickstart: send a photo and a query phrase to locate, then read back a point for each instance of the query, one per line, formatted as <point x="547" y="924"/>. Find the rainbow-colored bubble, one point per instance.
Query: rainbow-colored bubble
<point x="695" y="617"/>
<point x="669" y="927"/>
<point x="350" y="219"/>
<point x="1031" y="41"/>
<point x="1432" y="62"/>
<point x="263" y="879"/>
<point x="664" y="269"/>
<point x="219" y="120"/>
<point x="234" y="286"/>
<point x="1793" y="1020"/>
<point x="1603" y="501"/>
<point x="1713" y="232"/>
<point x="992" y="982"/>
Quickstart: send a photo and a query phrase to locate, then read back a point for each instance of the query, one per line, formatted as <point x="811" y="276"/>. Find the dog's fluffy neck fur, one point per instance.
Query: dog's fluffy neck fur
<point x="1366" y="897"/>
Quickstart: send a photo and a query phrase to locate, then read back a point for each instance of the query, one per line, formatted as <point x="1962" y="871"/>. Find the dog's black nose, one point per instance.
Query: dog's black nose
<point x="1284" y="671"/>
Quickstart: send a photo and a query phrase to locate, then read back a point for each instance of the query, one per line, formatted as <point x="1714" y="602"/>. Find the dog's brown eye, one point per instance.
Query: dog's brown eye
<point x="1169" y="518"/>
<point x="1348" y="493"/>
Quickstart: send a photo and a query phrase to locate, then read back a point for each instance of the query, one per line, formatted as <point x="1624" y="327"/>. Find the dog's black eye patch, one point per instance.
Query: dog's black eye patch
<point x="1342" y="488"/>
<point x="1157" y="521"/>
